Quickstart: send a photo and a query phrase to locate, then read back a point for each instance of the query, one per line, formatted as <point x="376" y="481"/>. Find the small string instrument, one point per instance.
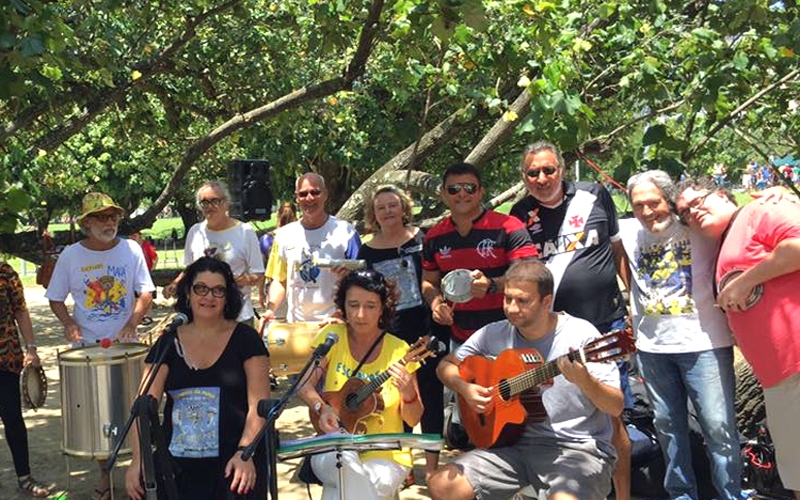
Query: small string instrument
<point x="514" y="375"/>
<point x="359" y="398"/>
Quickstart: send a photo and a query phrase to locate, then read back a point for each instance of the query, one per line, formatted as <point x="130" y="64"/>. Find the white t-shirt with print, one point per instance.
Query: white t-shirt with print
<point x="102" y="284"/>
<point x="237" y="245"/>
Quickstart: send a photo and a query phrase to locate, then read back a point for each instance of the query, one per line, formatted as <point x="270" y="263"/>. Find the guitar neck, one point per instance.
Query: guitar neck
<point x="532" y="378"/>
<point x="376" y="382"/>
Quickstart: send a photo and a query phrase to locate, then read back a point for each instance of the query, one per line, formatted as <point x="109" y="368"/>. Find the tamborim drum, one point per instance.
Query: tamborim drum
<point x="755" y="293"/>
<point x="289" y="344"/>
<point x="457" y="286"/>
<point x="98" y="386"/>
<point x="33" y="386"/>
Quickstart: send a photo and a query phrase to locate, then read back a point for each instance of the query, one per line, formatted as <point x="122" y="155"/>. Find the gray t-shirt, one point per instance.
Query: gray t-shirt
<point x="570" y="414"/>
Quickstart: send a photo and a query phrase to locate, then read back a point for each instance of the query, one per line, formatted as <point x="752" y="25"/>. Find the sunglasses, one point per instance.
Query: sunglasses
<point x="695" y="203"/>
<point x="468" y="188"/>
<point x="202" y="290"/>
<point x="534" y="173"/>
<point x="211" y="202"/>
<point x="308" y="192"/>
<point x="105" y="217"/>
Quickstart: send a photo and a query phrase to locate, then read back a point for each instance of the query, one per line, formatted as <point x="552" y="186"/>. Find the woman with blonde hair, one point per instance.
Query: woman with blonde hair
<point x="396" y="251"/>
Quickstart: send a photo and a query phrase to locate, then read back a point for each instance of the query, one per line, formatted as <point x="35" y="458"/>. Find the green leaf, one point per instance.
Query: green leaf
<point x="51" y="72"/>
<point x="32" y="46"/>
<point x="654" y="134"/>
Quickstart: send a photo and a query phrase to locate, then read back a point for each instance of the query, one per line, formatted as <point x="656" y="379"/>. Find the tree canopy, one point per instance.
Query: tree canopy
<point x="144" y="99"/>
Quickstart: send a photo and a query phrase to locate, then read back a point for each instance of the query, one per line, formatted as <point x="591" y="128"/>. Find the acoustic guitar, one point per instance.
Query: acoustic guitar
<point x="358" y="398"/>
<point x="514" y="376"/>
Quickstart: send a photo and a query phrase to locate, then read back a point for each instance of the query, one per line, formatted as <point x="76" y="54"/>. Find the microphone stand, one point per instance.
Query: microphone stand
<point x="145" y="411"/>
<point x="271" y="410"/>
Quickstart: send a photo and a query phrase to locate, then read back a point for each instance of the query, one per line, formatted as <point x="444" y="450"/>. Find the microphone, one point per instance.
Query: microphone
<point x="178" y="320"/>
<point x="324" y="347"/>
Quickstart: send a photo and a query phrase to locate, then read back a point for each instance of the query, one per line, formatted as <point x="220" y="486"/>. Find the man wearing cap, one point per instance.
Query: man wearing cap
<point x="109" y="282"/>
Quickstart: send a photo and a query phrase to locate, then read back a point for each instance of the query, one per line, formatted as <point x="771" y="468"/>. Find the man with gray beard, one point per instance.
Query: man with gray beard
<point x="104" y="274"/>
<point x="684" y="344"/>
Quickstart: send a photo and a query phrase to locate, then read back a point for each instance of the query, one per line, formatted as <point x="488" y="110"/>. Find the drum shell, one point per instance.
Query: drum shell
<point x="98" y="387"/>
<point x="289" y="344"/>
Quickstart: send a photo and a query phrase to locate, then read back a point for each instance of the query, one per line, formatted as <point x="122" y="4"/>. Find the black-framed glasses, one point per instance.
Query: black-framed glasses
<point x="456" y="188"/>
<point x="308" y="192"/>
<point x="211" y="202"/>
<point x="534" y="173"/>
<point x="202" y="290"/>
<point x="105" y="217"/>
<point x="694" y="203"/>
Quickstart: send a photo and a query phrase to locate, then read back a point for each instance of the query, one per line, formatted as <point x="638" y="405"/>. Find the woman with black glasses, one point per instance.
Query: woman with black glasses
<point x="213" y="376"/>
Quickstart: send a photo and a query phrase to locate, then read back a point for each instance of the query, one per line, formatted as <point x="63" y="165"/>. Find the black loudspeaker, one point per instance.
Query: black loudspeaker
<point x="251" y="196"/>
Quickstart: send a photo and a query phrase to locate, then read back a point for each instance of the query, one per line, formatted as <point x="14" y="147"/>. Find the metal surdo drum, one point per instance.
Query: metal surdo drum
<point x="289" y="344"/>
<point x="98" y="386"/>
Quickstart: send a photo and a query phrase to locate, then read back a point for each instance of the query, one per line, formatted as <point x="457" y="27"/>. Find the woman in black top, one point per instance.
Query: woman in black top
<point x="213" y="376"/>
<point x="395" y="250"/>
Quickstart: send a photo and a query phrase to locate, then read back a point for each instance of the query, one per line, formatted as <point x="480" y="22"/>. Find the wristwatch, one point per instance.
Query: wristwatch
<point x="318" y="407"/>
<point x="492" y="286"/>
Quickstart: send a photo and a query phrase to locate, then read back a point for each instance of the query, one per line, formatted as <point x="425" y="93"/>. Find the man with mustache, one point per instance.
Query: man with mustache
<point x="574" y="227"/>
<point x="108" y="279"/>
<point x="685" y="348"/>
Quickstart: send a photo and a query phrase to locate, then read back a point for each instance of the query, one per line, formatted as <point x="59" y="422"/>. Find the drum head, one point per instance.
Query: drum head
<point x="457" y="286"/>
<point x="100" y="354"/>
<point x="755" y="293"/>
<point x="33" y="386"/>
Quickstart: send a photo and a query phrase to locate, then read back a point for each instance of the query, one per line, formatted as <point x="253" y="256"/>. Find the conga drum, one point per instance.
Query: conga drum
<point x="98" y="386"/>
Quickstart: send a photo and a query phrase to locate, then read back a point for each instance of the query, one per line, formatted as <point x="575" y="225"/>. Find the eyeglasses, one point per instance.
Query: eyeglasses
<point x="211" y="202"/>
<point x="202" y="290"/>
<point x="468" y="188"/>
<point x="695" y="203"/>
<point x="105" y="217"/>
<point x="535" y="172"/>
<point x="308" y="192"/>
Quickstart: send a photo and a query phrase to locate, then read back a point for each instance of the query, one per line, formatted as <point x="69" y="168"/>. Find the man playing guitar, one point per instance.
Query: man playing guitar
<point x="568" y="452"/>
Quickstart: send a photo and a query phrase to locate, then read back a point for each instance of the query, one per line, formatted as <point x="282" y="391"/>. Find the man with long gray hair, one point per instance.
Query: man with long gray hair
<point x="684" y="344"/>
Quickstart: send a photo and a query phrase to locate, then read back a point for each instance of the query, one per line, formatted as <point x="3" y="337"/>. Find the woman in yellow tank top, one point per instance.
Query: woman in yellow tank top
<point x="366" y="301"/>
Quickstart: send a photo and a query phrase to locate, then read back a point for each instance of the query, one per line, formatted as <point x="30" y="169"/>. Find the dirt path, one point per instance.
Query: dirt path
<point x="44" y="430"/>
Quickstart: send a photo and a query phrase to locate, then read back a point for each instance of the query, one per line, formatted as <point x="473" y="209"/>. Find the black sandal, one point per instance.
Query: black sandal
<point x="33" y="487"/>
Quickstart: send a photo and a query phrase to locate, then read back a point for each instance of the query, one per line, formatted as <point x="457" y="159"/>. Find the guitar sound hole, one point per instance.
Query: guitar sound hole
<point x="505" y="390"/>
<point x="351" y="402"/>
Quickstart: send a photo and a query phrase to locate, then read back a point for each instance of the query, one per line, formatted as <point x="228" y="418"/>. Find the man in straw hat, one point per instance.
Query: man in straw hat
<point x="108" y="279"/>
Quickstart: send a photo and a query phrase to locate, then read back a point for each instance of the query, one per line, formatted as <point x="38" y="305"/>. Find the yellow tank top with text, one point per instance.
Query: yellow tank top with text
<point x="341" y="365"/>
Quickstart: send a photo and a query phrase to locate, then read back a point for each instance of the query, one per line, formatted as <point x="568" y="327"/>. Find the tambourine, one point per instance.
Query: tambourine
<point x="457" y="286"/>
<point x="755" y="293"/>
<point x="33" y="386"/>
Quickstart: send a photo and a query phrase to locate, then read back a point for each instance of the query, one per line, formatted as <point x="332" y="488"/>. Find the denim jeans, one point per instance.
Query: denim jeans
<point x="706" y="378"/>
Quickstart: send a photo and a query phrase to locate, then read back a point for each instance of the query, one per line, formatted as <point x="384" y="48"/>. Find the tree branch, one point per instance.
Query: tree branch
<point x="735" y="113"/>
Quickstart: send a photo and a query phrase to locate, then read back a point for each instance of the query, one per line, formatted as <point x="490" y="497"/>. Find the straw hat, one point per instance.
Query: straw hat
<point x="97" y="202"/>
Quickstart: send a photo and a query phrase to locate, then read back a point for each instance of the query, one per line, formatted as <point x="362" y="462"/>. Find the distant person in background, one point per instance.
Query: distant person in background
<point x="15" y="320"/>
<point x="286" y="214"/>
<point x="229" y="239"/>
<point x="149" y="251"/>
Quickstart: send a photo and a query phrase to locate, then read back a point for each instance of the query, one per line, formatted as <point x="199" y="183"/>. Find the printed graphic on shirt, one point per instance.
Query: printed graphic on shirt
<point x="195" y="422"/>
<point x="667" y="271"/>
<point x="105" y="296"/>
<point x="308" y="271"/>
<point x="566" y="243"/>
<point x="404" y="275"/>
<point x="222" y="249"/>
